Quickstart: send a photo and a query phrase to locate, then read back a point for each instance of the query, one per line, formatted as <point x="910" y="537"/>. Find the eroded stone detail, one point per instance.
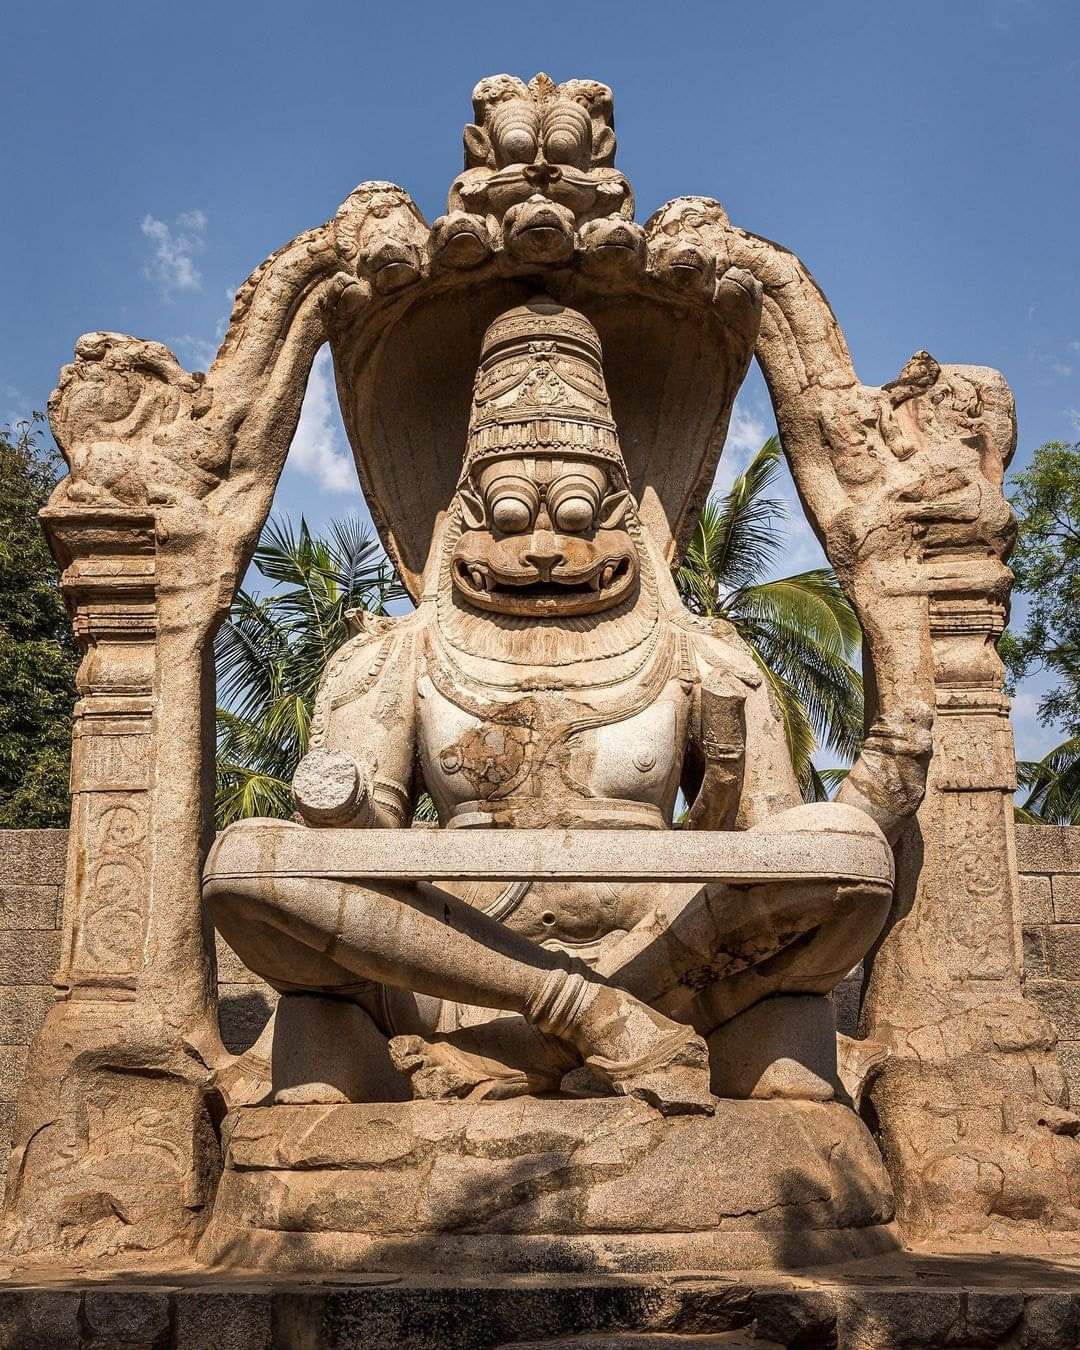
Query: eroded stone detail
<point x="548" y="681"/>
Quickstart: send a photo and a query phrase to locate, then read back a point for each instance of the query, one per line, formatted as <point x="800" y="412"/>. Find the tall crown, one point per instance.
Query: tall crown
<point x="540" y="389"/>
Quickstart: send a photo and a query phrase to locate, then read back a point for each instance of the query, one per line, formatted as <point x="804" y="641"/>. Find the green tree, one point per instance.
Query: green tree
<point x="801" y="629"/>
<point x="1046" y="563"/>
<point x="38" y="656"/>
<point x="273" y="648"/>
<point x="1052" y="785"/>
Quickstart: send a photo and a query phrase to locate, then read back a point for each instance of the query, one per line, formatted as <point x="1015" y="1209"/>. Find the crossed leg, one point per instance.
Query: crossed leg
<point x="700" y="957"/>
<point x="419" y="938"/>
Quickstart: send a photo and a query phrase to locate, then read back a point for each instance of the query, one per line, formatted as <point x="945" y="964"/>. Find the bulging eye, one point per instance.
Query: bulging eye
<point x="514" y="128"/>
<point x="574" y="514"/>
<point x="573" y="500"/>
<point x="518" y="146"/>
<point x="511" y="515"/>
<point x="567" y="133"/>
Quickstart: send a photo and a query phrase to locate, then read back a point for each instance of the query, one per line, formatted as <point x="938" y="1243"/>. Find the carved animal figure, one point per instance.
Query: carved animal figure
<point x="538" y="165"/>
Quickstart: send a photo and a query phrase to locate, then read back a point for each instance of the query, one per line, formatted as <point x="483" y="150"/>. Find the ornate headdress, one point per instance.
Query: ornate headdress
<point x="540" y="390"/>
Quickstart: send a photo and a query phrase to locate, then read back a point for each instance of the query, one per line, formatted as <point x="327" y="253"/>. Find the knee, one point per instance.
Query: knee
<point x="823" y="818"/>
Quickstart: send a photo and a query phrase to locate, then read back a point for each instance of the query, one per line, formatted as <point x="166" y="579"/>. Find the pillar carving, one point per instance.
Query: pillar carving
<point x="109" y="578"/>
<point x="115" y="1153"/>
<point x="970" y="1104"/>
<point x="903" y="484"/>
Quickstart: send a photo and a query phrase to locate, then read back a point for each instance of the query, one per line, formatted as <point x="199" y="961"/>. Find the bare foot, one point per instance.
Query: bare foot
<point x="446" y="1069"/>
<point x="635" y="1051"/>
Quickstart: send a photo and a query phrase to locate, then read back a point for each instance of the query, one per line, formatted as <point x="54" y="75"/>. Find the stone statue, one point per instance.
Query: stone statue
<point x="549" y="679"/>
<point x="557" y="1032"/>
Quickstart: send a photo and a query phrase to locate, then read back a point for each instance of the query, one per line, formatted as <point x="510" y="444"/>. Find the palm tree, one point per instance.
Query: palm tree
<point x="801" y="629"/>
<point x="1053" y="786"/>
<point x="272" y="650"/>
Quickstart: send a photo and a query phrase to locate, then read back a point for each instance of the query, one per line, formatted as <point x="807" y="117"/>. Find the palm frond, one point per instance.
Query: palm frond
<point x="810" y="603"/>
<point x="272" y="650"/>
<point x="735" y="538"/>
<point x="798" y="731"/>
<point x="1053" y="785"/>
<point x="801" y="628"/>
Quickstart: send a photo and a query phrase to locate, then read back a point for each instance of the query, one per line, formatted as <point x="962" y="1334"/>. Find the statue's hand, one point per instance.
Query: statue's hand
<point x="330" y="788"/>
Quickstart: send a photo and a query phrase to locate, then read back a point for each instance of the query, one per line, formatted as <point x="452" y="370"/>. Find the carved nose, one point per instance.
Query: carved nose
<point x="544" y="552"/>
<point x="542" y="173"/>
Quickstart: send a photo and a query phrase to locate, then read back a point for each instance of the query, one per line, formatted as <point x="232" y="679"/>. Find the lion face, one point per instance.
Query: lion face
<point x="544" y="537"/>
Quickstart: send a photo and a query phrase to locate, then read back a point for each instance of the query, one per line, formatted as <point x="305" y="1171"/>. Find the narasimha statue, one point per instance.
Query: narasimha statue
<point x="550" y="678"/>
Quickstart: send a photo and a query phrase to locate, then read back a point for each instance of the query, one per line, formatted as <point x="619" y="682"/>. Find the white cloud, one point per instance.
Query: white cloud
<point x="1033" y="740"/>
<point x="748" y="431"/>
<point x="319" y="448"/>
<point x="199" y="352"/>
<point x="172" y="265"/>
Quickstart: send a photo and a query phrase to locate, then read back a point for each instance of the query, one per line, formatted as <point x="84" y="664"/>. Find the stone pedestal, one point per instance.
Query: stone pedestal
<point x="537" y="1185"/>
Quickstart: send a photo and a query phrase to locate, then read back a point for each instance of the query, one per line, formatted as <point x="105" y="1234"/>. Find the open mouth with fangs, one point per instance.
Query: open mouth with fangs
<point x="603" y="586"/>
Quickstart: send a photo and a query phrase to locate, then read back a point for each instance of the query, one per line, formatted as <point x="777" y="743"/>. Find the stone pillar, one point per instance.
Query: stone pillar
<point x="114" y="1149"/>
<point x="968" y="1103"/>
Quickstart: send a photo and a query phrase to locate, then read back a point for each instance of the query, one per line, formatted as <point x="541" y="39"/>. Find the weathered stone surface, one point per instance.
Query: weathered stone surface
<point x="1066" y="891"/>
<point x="22" y="1012"/>
<point x="45" y="1319"/>
<point x="1050" y="1321"/>
<point x="1060" y="1001"/>
<point x="1036" y="904"/>
<point x="609" y="1184"/>
<point x="899" y="1302"/>
<point x="33" y="857"/>
<point x="220" y="1320"/>
<point x="1063" y="950"/>
<point x="1069" y="1056"/>
<point x="1047" y="849"/>
<point x="12" y="1068"/>
<point x="123" y="1318"/>
<point x="28" y="957"/>
<point x="29" y="907"/>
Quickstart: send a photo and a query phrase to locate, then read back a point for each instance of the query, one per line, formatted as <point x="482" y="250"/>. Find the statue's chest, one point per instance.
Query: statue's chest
<point x="552" y="750"/>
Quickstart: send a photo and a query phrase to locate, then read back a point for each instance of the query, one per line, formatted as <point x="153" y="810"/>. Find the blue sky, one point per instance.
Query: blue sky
<point x="921" y="158"/>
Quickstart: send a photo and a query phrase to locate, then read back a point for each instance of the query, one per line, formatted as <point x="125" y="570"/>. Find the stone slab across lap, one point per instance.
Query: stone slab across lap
<point x="283" y="849"/>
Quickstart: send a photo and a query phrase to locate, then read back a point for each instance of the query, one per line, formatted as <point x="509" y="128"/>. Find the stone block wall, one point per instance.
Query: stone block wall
<point x="1048" y="860"/>
<point x="31" y="890"/>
